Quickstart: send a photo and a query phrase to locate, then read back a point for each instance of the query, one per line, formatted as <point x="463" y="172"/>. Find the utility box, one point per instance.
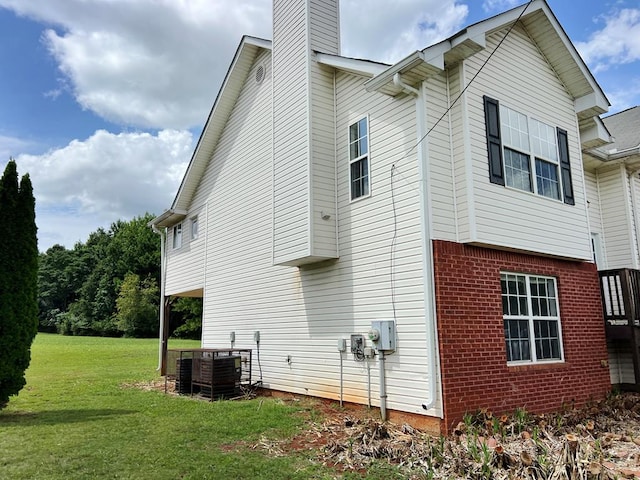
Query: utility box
<point x="383" y="335"/>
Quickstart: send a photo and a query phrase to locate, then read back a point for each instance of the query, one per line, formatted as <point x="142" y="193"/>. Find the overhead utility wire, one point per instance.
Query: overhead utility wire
<point x="394" y="165"/>
<point x="468" y="84"/>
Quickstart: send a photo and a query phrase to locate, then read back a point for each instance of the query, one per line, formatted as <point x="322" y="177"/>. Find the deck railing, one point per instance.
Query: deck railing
<point x="620" y="291"/>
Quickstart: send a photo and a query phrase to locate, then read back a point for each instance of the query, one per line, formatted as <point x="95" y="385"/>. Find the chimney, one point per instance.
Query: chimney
<point x="304" y="168"/>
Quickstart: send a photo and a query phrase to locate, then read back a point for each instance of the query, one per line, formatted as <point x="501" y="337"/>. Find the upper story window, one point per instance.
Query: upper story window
<point x="177" y="236"/>
<point x="527" y="154"/>
<point x="359" y="159"/>
<point x="194" y="227"/>
<point x="531" y="316"/>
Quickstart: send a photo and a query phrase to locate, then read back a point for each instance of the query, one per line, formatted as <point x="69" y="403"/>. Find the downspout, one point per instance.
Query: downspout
<point x="427" y="245"/>
<point x="161" y="346"/>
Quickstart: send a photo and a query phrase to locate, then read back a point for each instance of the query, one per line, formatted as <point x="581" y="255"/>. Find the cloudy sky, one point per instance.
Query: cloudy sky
<point x="102" y="101"/>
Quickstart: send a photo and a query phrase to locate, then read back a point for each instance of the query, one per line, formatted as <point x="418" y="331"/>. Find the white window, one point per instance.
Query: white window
<point x="194" y="228"/>
<point x="359" y="159"/>
<point x="530" y="152"/>
<point x="177" y="236"/>
<point x="531" y="316"/>
<point x="527" y="154"/>
<point x="596" y="250"/>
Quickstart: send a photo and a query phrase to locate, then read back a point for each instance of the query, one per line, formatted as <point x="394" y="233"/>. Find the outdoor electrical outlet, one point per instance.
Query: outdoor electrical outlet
<point x="256" y="336"/>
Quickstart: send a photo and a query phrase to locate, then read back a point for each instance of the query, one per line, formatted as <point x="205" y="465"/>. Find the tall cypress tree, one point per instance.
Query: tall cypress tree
<point x="18" y="280"/>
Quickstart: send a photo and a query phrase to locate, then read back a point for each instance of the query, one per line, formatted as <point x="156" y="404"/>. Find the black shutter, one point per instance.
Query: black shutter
<point x="494" y="144"/>
<point x="565" y="167"/>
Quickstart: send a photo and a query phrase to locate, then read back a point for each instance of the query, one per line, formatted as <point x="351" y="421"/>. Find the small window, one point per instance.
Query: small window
<point x="596" y="250"/>
<point x="194" y="228"/>
<point x="359" y="159"/>
<point x="177" y="236"/>
<point x="531" y="317"/>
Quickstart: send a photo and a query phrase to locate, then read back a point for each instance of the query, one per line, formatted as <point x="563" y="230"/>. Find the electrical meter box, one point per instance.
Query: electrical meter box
<point x="385" y="331"/>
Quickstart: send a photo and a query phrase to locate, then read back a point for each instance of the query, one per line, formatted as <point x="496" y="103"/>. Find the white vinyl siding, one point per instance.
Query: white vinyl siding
<point x="302" y="312"/>
<point x="440" y="160"/>
<point x="615" y="203"/>
<point x="304" y="135"/>
<point x="185" y="266"/>
<point x="463" y="191"/>
<point x="291" y="199"/>
<point x="323" y="167"/>
<point x="511" y="218"/>
<point x="620" y="362"/>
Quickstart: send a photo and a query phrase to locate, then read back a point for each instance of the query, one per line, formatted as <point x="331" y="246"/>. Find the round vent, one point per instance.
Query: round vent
<point x="260" y="74"/>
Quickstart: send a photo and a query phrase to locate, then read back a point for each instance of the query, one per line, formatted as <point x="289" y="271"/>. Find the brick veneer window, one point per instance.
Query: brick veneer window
<point x="531" y="318"/>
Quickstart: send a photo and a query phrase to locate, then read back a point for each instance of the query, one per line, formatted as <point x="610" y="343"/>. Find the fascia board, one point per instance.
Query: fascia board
<point x="351" y="65"/>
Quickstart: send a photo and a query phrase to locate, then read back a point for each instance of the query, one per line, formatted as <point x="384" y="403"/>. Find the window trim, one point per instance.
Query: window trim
<point x="530" y="317"/>
<point x="496" y="157"/>
<point x="176" y="241"/>
<point x="194" y="227"/>
<point x="365" y="157"/>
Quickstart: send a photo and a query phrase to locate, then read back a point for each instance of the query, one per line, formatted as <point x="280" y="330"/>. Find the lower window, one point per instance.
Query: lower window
<point x="531" y="318"/>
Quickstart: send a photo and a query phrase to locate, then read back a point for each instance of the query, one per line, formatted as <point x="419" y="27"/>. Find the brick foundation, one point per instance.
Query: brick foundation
<point x="471" y="336"/>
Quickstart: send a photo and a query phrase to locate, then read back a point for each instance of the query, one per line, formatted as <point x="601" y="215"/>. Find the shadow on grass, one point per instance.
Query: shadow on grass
<point x="55" y="417"/>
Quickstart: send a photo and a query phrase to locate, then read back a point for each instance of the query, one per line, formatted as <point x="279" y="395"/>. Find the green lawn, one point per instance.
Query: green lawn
<point x="76" y="420"/>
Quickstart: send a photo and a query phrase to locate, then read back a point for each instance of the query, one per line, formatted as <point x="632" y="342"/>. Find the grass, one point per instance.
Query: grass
<point x="76" y="420"/>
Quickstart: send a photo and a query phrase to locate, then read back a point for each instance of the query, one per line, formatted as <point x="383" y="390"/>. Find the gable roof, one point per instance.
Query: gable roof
<point x="537" y="18"/>
<point x="222" y="107"/>
<point x="544" y="29"/>
<point x="625" y="128"/>
<point x="625" y="140"/>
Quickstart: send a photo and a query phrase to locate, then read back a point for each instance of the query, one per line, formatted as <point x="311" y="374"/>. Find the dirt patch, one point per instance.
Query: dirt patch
<point x="157" y="385"/>
<point x="599" y="442"/>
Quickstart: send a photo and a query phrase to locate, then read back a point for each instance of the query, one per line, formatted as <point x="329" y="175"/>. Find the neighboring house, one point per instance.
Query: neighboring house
<point x="612" y="174"/>
<point x="444" y="193"/>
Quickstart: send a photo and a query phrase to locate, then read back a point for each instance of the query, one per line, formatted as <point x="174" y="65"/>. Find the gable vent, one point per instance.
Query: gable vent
<point x="260" y="74"/>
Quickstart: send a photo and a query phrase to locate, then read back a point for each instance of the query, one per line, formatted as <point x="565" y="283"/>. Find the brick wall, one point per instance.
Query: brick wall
<point x="471" y="336"/>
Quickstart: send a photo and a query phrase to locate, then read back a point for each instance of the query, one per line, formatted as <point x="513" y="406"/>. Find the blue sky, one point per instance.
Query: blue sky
<point x="103" y="100"/>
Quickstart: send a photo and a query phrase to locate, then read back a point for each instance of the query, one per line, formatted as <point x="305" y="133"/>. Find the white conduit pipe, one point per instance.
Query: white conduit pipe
<point x="383" y="389"/>
<point x="340" y="353"/>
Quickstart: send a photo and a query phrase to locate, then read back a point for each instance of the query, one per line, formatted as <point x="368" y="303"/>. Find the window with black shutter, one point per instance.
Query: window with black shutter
<point x="527" y="154"/>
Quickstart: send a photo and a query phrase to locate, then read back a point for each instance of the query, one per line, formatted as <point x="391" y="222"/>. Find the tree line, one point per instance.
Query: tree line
<point x="109" y="286"/>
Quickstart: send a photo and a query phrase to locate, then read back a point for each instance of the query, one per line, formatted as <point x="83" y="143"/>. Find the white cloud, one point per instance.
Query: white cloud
<point x="389" y="32"/>
<point x="499" y="5"/>
<point x="618" y="42"/>
<point x="626" y="97"/>
<point x="103" y="178"/>
<point x="159" y="63"/>
<point x="146" y="63"/>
